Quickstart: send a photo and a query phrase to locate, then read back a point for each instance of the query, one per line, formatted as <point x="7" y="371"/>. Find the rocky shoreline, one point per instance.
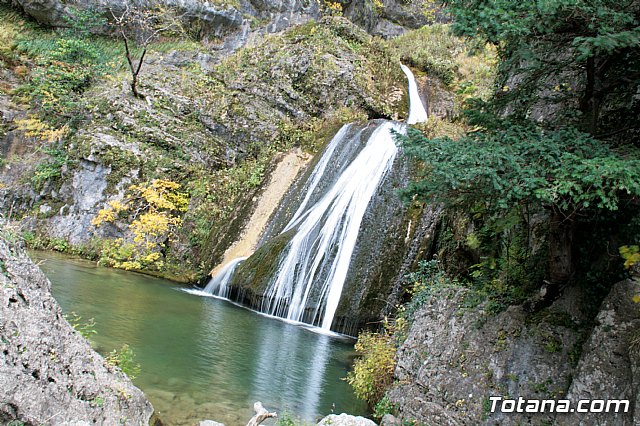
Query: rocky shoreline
<point x="49" y="374"/>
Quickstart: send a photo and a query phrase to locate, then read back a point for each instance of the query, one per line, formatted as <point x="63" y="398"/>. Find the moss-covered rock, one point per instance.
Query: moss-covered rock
<point x="254" y="274"/>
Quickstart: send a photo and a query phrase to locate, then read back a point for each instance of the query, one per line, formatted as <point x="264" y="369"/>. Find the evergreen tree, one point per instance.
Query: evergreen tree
<point x="561" y="131"/>
<point x="577" y="61"/>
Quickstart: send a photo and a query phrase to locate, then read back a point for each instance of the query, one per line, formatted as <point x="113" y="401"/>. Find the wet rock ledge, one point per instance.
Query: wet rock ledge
<point x="49" y="374"/>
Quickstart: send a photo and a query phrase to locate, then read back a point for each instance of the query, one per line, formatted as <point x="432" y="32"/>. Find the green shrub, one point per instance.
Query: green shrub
<point x="51" y="168"/>
<point x="32" y="240"/>
<point x="37" y="241"/>
<point x="85" y="328"/>
<point x="428" y="277"/>
<point x="124" y="359"/>
<point x="383" y="407"/>
<point x="59" y="244"/>
<point x="286" y="419"/>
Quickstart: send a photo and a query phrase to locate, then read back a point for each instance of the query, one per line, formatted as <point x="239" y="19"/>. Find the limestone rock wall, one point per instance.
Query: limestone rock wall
<point x="456" y="357"/>
<point x="217" y="19"/>
<point x="49" y="374"/>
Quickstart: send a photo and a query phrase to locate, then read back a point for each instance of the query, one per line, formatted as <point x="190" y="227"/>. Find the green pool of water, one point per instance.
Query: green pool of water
<point x="204" y="358"/>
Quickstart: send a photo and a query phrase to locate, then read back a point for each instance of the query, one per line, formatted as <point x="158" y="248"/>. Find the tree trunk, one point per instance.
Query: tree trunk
<point x="561" y="266"/>
<point x="587" y="101"/>
<point x="134" y="88"/>
<point x="134" y="70"/>
<point x="560" y="260"/>
<point x="134" y="75"/>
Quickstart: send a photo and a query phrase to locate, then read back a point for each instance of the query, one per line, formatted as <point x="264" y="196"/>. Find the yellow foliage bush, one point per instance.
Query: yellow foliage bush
<point x="333" y="8"/>
<point x="109" y="214"/>
<point x="154" y="208"/>
<point x="36" y="128"/>
<point x="630" y="254"/>
<point x="151" y="225"/>
<point x="372" y="373"/>
<point x="162" y="194"/>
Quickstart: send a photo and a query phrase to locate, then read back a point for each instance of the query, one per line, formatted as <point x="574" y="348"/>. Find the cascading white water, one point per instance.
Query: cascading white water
<point x="219" y="285"/>
<point x="417" y="113"/>
<point x="313" y="267"/>
<point x="318" y="172"/>
<point x="317" y="257"/>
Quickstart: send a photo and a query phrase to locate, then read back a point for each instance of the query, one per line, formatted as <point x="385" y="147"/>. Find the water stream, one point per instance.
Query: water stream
<point x="417" y="113"/>
<point x="204" y="358"/>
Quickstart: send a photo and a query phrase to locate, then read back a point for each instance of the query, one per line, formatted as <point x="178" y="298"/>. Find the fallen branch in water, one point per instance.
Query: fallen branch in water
<point x="261" y="414"/>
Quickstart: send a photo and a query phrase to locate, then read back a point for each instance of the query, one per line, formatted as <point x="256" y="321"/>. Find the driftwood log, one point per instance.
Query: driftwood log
<point x="261" y="414"/>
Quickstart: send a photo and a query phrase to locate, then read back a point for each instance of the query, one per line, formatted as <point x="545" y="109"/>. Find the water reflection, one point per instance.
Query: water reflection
<point x="203" y="357"/>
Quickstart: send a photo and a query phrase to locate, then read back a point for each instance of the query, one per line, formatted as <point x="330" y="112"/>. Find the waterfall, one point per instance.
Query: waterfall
<point x="219" y="285"/>
<point x="417" y="113"/>
<point x="317" y="244"/>
<point x="318" y="173"/>
<point x="312" y="273"/>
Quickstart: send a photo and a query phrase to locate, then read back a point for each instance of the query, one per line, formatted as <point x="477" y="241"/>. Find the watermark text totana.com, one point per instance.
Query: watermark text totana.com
<point x="522" y="405"/>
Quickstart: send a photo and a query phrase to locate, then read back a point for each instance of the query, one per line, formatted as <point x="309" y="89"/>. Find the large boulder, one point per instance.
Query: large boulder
<point x="610" y="364"/>
<point x="49" y="374"/>
<point x="44" y="11"/>
<point x="345" y="420"/>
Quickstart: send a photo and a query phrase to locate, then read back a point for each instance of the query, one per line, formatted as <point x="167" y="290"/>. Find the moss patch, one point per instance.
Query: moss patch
<point x="255" y="273"/>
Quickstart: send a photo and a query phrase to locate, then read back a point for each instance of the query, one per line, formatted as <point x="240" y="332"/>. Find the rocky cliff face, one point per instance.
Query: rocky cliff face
<point x="456" y="357"/>
<point x="220" y="18"/>
<point x="388" y="18"/>
<point x="48" y="372"/>
<point x="212" y="120"/>
<point x="215" y="20"/>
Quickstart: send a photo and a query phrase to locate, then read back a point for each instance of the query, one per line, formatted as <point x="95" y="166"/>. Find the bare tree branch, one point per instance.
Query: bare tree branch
<point x="261" y="414"/>
<point x="142" y="25"/>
